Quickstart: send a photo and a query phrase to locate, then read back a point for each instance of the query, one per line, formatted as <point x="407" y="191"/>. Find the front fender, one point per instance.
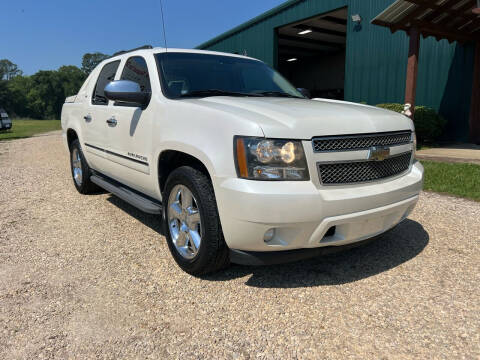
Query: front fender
<point x="184" y="148"/>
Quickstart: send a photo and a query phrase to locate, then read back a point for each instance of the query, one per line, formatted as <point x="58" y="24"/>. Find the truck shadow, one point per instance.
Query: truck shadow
<point x="152" y="221"/>
<point x="388" y="251"/>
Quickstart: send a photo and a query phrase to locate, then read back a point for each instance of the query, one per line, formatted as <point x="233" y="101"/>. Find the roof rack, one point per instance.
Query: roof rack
<point x="127" y="51"/>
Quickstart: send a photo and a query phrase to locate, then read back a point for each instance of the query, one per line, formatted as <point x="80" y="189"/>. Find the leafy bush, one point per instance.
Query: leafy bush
<point x="429" y="124"/>
<point x="393" y="107"/>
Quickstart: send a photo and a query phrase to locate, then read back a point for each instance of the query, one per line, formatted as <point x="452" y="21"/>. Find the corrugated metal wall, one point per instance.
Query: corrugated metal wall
<point x="259" y="39"/>
<point x="376" y="60"/>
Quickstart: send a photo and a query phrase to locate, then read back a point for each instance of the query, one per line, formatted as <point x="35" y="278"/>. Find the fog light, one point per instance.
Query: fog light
<point x="269" y="235"/>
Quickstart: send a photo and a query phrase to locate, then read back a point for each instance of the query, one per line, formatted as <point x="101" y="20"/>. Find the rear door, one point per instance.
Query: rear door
<point x="98" y="112"/>
<point x="130" y="139"/>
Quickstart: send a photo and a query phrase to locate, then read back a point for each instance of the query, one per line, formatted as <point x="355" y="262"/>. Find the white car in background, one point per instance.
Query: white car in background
<point x="239" y="165"/>
<point x="5" y="122"/>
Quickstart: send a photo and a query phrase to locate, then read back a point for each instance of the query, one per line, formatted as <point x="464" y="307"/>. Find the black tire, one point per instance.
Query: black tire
<point x="213" y="253"/>
<point x="86" y="186"/>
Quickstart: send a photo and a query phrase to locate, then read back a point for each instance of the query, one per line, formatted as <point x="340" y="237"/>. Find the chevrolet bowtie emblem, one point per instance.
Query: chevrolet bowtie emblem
<point x="378" y="153"/>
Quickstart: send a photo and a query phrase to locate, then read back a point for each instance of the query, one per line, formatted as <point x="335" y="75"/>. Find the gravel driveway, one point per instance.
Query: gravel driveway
<point x="90" y="276"/>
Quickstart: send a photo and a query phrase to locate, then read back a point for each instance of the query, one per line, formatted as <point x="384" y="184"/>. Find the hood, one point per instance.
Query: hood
<point x="304" y="119"/>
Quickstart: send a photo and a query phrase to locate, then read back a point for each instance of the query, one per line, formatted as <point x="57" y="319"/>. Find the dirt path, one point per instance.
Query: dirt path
<point x="90" y="276"/>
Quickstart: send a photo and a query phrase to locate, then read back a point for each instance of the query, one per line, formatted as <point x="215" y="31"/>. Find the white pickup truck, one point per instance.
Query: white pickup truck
<point x="239" y="165"/>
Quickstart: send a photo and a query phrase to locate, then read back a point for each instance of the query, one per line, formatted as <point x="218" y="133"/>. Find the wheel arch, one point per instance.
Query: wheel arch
<point x="72" y="135"/>
<point x="171" y="159"/>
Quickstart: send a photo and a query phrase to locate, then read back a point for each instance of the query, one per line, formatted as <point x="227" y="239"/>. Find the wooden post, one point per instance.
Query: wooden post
<point x="412" y="68"/>
<point x="476" y="10"/>
<point x="475" y="104"/>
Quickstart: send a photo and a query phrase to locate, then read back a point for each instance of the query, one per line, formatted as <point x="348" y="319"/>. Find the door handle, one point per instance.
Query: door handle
<point x="87" y="118"/>
<point x="112" y="122"/>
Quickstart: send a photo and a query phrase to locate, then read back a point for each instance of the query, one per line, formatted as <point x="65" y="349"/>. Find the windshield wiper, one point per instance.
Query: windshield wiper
<point x="279" y="94"/>
<point x="217" y="92"/>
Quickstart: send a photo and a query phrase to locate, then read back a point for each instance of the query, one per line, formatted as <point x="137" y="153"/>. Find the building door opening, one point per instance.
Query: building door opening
<point x="312" y="53"/>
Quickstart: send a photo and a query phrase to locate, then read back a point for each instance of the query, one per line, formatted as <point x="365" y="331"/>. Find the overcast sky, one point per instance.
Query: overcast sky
<point x="46" y="34"/>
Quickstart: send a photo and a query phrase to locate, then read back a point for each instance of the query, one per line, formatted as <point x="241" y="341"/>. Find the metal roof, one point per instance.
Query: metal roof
<point x="443" y="19"/>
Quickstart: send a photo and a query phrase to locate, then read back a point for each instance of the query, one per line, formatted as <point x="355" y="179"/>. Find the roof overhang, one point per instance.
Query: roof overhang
<point x="454" y="20"/>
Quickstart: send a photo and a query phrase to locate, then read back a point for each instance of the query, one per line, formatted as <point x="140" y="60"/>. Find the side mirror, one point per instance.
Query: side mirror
<point x="305" y="92"/>
<point x="126" y="91"/>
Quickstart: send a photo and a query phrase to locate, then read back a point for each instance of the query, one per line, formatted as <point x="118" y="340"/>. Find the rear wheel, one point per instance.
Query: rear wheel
<point x="80" y="170"/>
<point x="193" y="231"/>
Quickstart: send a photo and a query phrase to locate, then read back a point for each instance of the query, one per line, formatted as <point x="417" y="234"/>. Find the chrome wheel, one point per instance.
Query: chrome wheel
<point x="77" y="167"/>
<point x="184" y="221"/>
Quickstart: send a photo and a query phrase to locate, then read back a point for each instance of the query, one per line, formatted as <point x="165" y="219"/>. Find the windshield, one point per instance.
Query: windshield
<point x="199" y="75"/>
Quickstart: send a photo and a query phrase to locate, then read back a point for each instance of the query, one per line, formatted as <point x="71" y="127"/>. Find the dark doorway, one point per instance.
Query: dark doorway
<point x="311" y="53"/>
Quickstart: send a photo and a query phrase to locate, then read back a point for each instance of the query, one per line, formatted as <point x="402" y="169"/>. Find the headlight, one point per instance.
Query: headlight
<point x="270" y="159"/>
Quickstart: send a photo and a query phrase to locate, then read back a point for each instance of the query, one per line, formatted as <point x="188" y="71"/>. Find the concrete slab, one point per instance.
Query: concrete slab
<point x="465" y="153"/>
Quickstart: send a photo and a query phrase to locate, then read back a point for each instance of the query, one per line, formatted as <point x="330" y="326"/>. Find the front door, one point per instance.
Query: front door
<point x="130" y="138"/>
<point x="95" y="140"/>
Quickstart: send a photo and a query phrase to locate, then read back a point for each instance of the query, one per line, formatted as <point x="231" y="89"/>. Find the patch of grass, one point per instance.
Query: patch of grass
<point x="23" y="128"/>
<point x="424" y="147"/>
<point x="457" y="179"/>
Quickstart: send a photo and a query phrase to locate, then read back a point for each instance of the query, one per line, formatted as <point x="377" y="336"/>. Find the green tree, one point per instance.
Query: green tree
<point x="72" y="79"/>
<point x="40" y="96"/>
<point x="91" y="60"/>
<point x="4" y="95"/>
<point x="46" y="95"/>
<point x="17" y="104"/>
<point x="8" y="70"/>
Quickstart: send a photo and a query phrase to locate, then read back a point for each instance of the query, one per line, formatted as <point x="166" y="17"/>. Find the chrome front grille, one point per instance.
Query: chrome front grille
<point x="360" y="142"/>
<point x="338" y="173"/>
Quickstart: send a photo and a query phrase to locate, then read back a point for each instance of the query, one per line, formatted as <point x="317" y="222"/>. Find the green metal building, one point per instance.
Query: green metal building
<point x="331" y="48"/>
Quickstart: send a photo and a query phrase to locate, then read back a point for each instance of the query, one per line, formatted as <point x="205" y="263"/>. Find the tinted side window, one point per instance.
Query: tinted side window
<point x="106" y="75"/>
<point x="136" y="70"/>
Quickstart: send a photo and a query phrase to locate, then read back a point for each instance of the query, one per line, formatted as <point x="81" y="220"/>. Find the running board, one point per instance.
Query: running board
<point x="126" y="194"/>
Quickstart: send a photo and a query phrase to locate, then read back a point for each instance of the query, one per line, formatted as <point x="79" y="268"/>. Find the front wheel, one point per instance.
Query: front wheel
<point x="193" y="231"/>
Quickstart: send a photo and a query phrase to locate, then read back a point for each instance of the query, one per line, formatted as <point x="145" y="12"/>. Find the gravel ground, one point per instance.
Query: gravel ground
<point x="91" y="277"/>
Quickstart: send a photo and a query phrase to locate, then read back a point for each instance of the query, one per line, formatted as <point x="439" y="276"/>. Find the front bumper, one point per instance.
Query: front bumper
<point x="302" y="213"/>
<point x="257" y="258"/>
